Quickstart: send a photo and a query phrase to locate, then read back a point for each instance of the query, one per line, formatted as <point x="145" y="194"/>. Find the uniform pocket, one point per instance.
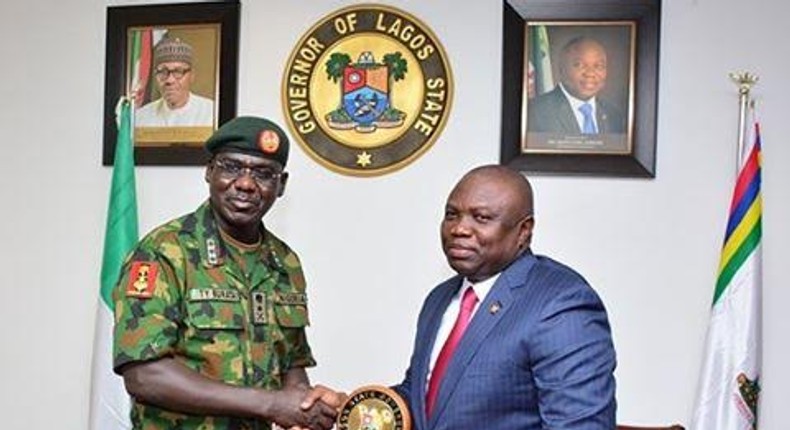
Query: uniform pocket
<point x="290" y="309"/>
<point x="215" y="309"/>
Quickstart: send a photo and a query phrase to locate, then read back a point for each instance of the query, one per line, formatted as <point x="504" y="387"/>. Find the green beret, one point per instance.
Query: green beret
<point x="250" y="135"/>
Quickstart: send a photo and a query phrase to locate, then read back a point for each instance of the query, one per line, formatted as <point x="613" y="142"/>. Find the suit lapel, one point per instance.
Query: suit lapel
<point x="496" y="305"/>
<point x="431" y="326"/>
<point x="602" y="118"/>
<point x="566" y="117"/>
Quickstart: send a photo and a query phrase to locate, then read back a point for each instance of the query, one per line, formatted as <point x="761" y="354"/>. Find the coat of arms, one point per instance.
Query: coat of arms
<point x="367" y="90"/>
<point x="365" y="102"/>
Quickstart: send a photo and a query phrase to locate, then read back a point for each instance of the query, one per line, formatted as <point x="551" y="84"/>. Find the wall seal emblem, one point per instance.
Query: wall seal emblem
<point x="367" y="90"/>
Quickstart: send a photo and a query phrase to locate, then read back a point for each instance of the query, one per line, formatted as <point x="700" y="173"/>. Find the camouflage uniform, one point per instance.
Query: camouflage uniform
<point x="182" y="294"/>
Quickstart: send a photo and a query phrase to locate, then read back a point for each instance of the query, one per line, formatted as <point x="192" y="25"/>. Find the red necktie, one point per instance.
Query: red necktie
<point x="446" y="354"/>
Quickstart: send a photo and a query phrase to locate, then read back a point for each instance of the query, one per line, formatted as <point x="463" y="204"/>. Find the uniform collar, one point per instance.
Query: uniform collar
<point x="213" y="249"/>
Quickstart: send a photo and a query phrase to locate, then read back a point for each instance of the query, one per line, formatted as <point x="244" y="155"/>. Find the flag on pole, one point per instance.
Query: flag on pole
<point x="729" y="384"/>
<point x="109" y="407"/>
<point x="540" y="59"/>
<point x="140" y="62"/>
<point x="142" y="43"/>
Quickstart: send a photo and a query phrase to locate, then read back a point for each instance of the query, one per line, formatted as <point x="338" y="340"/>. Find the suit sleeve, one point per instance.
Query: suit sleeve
<point x="404" y="388"/>
<point x="407" y="384"/>
<point x="573" y="360"/>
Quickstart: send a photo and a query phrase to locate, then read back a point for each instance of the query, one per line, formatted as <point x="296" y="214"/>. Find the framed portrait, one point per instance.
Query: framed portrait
<point x="179" y="65"/>
<point x="579" y="86"/>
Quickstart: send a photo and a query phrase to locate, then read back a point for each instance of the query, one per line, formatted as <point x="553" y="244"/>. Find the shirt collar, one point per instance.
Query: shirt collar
<point x="575" y="103"/>
<point x="481" y="288"/>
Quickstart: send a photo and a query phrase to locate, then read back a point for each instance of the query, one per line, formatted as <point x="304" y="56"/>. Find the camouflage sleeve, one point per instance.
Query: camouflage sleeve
<point x="147" y="308"/>
<point x="300" y="354"/>
<point x="292" y="315"/>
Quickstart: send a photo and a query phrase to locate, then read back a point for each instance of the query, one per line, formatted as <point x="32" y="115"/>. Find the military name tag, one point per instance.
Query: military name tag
<point x="291" y="298"/>
<point x="214" y="294"/>
<point x="374" y="407"/>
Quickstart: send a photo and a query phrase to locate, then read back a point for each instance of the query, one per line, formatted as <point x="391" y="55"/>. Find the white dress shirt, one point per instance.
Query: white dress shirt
<point x="451" y="313"/>
<point x="576" y="103"/>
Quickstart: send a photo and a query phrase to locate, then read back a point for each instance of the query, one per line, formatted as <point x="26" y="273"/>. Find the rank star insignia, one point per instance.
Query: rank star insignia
<point x="363" y="159"/>
<point x="367" y="90"/>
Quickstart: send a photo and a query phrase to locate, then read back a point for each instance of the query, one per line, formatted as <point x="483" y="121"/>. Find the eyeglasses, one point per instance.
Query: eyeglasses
<point x="232" y="170"/>
<point x="177" y="73"/>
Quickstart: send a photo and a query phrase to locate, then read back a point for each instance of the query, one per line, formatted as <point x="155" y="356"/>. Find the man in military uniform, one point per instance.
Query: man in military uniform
<point x="210" y="308"/>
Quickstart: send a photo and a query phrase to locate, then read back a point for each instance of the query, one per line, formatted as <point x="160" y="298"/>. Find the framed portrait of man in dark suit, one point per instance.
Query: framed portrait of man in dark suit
<point x="579" y="86"/>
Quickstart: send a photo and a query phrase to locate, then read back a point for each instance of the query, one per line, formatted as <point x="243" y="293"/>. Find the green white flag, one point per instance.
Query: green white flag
<point x="540" y="59"/>
<point x="109" y="408"/>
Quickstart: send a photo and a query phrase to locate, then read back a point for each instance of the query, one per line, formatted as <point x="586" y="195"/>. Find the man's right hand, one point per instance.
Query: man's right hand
<point x="332" y="398"/>
<point x="286" y="409"/>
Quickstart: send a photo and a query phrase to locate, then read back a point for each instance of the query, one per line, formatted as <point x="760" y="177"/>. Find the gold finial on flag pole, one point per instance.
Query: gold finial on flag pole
<point x="745" y="81"/>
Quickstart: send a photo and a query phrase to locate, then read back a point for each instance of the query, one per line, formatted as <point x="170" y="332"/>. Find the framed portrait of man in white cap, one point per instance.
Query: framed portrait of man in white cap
<point x="177" y="64"/>
<point x="168" y="92"/>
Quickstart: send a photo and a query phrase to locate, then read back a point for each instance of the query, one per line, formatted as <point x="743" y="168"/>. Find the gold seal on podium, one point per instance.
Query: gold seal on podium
<point x="374" y="407"/>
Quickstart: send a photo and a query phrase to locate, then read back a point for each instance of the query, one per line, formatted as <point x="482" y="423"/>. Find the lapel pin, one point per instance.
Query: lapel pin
<point x="494" y="308"/>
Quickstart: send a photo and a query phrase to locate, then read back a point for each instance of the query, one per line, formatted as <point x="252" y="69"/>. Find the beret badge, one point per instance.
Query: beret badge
<point x="268" y="141"/>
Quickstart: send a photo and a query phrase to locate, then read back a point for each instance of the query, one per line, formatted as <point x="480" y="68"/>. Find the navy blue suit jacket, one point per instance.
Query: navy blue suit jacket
<point x="537" y="354"/>
<point x="552" y="113"/>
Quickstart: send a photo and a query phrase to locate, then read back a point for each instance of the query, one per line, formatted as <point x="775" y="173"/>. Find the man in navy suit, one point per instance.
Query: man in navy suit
<point x="537" y="352"/>
<point x="574" y="106"/>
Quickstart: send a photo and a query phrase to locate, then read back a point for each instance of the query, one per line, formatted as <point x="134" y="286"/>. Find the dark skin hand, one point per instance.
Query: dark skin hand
<point x="171" y="385"/>
<point x="321" y="394"/>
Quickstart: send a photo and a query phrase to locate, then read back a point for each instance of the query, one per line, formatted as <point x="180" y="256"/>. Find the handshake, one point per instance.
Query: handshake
<point x="305" y="408"/>
<point x="369" y="407"/>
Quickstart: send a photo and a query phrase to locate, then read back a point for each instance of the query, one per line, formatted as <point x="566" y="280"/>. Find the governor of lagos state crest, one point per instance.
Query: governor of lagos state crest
<point x="367" y="90"/>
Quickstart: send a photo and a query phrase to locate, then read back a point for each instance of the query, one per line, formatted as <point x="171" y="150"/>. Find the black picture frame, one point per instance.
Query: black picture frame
<point x="217" y="22"/>
<point x="636" y="158"/>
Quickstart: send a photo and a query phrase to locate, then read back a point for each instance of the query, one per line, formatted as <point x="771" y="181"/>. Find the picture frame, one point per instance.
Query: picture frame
<point x="180" y="64"/>
<point x="606" y="52"/>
